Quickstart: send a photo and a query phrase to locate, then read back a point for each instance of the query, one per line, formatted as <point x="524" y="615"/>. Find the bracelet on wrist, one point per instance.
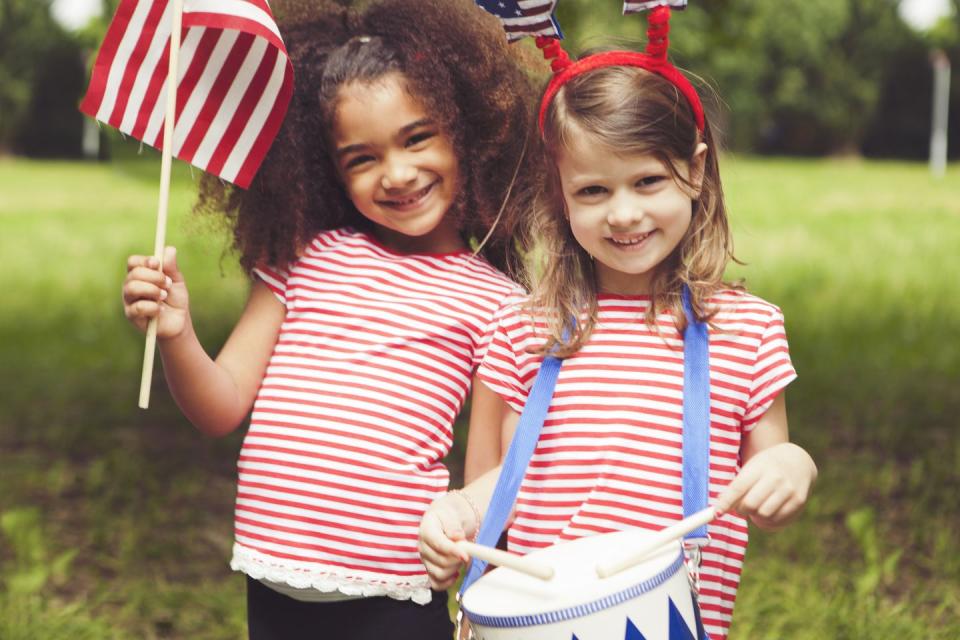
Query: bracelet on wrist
<point x="473" y="507"/>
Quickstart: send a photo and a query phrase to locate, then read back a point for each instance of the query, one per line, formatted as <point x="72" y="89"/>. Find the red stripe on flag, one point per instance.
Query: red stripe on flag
<point x="108" y="51"/>
<point x="132" y="68"/>
<point x="208" y="42"/>
<point x="240" y="117"/>
<point x="152" y="94"/>
<point x="216" y="95"/>
<point x="236" y="23"/>
<point x="267" y="134"/>
<point x="260" y="4"/>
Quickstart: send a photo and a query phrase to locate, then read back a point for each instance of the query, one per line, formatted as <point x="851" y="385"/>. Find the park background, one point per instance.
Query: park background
<point x="116" y="522"/>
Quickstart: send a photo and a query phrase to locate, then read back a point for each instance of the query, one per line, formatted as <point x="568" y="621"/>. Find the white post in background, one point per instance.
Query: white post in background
<point x="941" y="104"/>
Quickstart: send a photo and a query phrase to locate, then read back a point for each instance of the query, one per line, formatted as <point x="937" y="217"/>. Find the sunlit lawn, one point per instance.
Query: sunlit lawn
<point x="116" y="522"/>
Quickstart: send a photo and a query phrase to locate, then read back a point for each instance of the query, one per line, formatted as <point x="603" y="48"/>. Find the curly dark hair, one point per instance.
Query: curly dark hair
<point x="456" y="62"/>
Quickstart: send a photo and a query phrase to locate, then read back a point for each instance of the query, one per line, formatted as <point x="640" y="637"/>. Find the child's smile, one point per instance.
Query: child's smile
<point x="411" y="201"/>
<point x="630" y="242"/>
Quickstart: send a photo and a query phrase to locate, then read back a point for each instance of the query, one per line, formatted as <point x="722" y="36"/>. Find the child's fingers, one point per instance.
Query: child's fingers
<point x="438" y="535"/>
<point x="170" y="264"/>
<point x="442" y="572"/>
<point x="137" y="290"/>
<point x="141" y="311"/>
<point x="148" y="275"/>
<point x="730" y="499"/>
<point x="436" y="558"/>
<point x="441" y="584"/>
<point x="778" y="510"/>
<point x="148" y="262"/>
<point x="151" y="263"/>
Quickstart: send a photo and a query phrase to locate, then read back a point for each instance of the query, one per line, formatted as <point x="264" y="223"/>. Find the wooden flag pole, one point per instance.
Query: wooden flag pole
<point x="146" y="378"/>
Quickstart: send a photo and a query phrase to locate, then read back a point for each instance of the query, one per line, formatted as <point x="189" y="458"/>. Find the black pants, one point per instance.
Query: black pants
<point x="274" y="616"/>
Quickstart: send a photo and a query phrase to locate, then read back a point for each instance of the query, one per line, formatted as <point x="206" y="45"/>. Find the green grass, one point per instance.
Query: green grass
<point x="116" y="523"/>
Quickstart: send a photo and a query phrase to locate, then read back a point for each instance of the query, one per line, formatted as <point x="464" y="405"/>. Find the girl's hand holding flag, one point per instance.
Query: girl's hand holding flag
<point x="150" y="293"/>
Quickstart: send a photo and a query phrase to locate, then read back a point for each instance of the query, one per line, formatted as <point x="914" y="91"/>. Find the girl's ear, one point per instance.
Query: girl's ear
<point x="697" y="164"/>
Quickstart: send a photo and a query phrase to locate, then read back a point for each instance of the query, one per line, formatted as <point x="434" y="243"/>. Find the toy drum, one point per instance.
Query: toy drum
<point x="651" y="600"/>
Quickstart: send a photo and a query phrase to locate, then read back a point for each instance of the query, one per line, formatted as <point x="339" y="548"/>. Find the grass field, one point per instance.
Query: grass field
<point x="116" y="523"/>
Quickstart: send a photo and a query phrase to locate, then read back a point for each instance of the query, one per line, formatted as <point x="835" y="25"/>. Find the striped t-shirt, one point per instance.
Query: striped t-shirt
<point x="355" y="412"/>
<point x="609" y="457"/>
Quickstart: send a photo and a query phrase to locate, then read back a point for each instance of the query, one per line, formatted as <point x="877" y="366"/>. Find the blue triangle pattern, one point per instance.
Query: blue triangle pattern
<point x="632" y="632"/>
<point x="678" y="626"/>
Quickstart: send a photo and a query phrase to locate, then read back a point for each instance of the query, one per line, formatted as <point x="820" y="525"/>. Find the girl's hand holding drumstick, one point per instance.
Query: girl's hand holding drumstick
<point x="450" y="518"/>
<point x="772" y="487"/>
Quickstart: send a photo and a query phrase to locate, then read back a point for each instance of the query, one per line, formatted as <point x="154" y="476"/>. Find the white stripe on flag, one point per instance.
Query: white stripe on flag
<point x="237" y="8"/>
<point x="195" y="104"/>
<point x="124" y="51"/>
<point x="144" y="75"/>
<point x="188" y="49"/>
<point x="257" y="119"/>
<point x="231" y="102"/>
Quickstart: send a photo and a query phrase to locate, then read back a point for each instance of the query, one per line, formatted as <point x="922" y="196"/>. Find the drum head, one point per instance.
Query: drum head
<point x="508" y="598"/>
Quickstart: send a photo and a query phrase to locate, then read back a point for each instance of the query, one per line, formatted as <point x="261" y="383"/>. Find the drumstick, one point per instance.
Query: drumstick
<point x="505" y="559"/>
<point x="660" y="539"/>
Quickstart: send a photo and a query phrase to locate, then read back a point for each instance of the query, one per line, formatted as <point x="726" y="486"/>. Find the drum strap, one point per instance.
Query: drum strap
<point x="515" y="464"/>
<point x="696" y="439"/>
<point x="696" y="418"/>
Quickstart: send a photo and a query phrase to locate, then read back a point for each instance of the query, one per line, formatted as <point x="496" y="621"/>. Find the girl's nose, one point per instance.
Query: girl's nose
<point x="623" y="212"/>
<point x="398" y="173"/>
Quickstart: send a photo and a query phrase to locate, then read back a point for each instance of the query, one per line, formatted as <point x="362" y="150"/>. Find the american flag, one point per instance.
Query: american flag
<point x="524" y="17"/>
<point x="235" y="81"/>
<point x="636" y="6"/>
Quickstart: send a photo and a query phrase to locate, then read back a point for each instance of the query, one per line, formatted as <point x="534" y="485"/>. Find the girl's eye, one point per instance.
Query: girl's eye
<point x="649" y="181"/>
<point x="592" y="190"/>
<point x="357" y="161"/>
<point x="419" y="138"/>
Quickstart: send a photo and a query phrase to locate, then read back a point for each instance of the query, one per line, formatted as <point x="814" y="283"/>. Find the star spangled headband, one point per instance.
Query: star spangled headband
<point x="654" y="59"/>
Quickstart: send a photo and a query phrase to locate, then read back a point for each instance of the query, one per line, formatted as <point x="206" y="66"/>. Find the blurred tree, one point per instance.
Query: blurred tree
<point x="91" y="34"/>
<point x="800" y="76"/>
<point x="901" y="125"/>
<point x="52" y="126"/>
<point x="27" y="32"/>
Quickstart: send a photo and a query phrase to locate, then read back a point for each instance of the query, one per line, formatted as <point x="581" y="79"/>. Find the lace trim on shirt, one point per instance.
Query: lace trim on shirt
<point x="309" y="576"/>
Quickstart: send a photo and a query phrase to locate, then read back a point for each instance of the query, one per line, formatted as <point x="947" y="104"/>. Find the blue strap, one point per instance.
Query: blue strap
<point x="515" y="464"/>
<point x="696" y="415"/>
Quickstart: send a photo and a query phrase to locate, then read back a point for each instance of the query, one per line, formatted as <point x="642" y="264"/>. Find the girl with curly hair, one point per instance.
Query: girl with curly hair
<point x="367" y="313"/>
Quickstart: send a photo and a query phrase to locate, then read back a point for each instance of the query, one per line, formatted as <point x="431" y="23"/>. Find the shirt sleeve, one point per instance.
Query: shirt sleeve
<point x="772" y="370"/>
<point x="514" y="297"/>
<point x="275" y="279"/>
<point x="504" y="366"/>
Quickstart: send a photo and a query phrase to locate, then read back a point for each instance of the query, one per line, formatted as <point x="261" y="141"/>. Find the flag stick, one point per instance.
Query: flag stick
<point x="146" y="377"/>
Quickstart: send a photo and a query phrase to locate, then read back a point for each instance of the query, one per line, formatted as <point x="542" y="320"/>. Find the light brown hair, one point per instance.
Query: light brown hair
<point x="629" y="111"/>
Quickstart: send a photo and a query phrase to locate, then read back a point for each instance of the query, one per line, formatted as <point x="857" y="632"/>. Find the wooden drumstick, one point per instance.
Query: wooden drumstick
<point x="657" y="541"/>
<point x="505" y="559"/>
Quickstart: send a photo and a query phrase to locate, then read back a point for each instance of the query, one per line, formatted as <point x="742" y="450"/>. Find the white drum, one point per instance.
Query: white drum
<point x="650" y="601"/>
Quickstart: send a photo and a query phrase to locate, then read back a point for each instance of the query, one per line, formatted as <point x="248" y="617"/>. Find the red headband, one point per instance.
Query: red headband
<point x="653" y="60"/>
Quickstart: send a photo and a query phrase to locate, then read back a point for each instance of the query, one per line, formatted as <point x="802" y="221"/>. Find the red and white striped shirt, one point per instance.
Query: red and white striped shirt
<point x="609" y="457"/>
<point x="355" y="413"/>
